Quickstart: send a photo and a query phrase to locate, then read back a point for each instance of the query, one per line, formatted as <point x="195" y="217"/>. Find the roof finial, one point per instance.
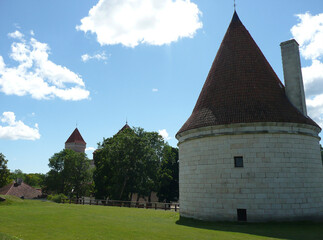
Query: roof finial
<point x="126" y="120"/>
<point x="76" y="124"/>
<point x="234" y="5"/>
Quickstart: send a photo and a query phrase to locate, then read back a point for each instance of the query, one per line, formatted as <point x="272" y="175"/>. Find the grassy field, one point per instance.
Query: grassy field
<point x="27" y="219"/>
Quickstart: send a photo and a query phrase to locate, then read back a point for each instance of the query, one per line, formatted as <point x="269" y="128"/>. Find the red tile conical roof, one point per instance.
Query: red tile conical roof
<point x="126" y="126"/>
<point x="75" y="137"/>
<point x="242" y="87"/>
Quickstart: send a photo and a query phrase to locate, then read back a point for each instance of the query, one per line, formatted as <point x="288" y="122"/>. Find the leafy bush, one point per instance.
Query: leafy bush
<point x="56" y="198"/>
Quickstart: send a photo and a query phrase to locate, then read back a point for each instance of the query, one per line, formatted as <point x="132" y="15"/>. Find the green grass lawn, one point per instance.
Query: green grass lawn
<point x="27" y="219"/>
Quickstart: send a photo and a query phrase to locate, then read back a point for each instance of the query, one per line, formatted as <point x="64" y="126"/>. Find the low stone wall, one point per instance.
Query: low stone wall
<point x="281" y="177"/>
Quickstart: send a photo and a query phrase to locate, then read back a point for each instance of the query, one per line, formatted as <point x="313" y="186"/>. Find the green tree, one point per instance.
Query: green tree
<point x="168" y="188"/>
<point x="34" y="179"/>
<point x="127" y="163"/>
<point x="69" y="174"/>
<point x="17" y="174"/>
<point x="4" y="171"/>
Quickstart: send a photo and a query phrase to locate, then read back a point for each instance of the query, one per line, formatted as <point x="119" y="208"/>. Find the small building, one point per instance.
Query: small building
<point x="76" y="142"/>
<point x="21" y="190"/>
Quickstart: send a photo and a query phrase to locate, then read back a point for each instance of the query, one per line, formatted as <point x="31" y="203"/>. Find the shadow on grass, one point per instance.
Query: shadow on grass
<point x="284" y="230"/>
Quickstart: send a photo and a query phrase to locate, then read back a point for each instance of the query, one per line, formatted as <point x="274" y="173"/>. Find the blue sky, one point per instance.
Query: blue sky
<point x="145" y="61"/>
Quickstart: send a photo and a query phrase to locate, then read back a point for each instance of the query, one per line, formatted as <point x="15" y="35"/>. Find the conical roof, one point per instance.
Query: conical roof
<point x="75" y="137"/>
<point x="242" y="87"/>
<point x="126" y="126"/>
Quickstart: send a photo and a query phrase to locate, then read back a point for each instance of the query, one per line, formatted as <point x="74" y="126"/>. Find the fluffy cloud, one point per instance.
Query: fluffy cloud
<point x="90" y="149"/>
<point x="164" y="134"/>
<point x="155" y="89"/>
<point x="309" y="34"/>
<point x="99" y="56"/>
<point x="37" y="76"/>
<point x="131" y="22"/>
<point x="15" y="130"/>
<point x="16" y="34"/>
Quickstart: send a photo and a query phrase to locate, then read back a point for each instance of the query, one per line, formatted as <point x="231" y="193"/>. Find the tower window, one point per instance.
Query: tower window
<point x="242" y="215"/>
<point x="238" y="161"/>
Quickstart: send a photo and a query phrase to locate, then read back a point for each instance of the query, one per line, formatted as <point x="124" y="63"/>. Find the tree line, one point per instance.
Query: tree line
<point x="6" y="177"/>
<point x="136" y="161"/>
<point x="133" y="161"/>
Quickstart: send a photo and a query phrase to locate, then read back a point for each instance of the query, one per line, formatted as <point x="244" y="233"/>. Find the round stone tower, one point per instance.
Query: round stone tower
<point x="246" y="152"/>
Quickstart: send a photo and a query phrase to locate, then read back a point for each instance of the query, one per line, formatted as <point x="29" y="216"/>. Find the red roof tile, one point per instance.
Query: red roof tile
<point x="126" y="126"/>
<point x="242" y="87"/>
<point x="75" y="137"/>
<point x="21" y="190"/>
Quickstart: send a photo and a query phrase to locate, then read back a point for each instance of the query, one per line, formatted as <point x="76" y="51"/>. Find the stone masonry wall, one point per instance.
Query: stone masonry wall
<point x="77" y="147"/>
<point x="282" y="177"/>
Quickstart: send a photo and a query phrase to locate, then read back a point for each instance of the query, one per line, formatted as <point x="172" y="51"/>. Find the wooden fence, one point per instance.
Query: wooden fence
<point x="130" y="204"/>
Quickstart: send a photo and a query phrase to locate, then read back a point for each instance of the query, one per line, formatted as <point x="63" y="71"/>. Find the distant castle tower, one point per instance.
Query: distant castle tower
<point x="76" y="142"/>
<point x="126" y="126"/>
<point x="248" y="151"/>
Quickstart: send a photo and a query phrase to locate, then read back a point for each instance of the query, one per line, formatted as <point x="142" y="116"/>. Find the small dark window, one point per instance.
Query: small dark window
<point x="242" y="215"/>
<point x="238" y="161"/>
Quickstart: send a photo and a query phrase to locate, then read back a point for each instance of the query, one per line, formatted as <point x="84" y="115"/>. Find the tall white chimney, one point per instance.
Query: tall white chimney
<point x="294" y="86"/>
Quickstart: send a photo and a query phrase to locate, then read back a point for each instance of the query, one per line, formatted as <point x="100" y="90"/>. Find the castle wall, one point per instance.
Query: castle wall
<point x="77" y="147"/>
<point x="281" y="178"/>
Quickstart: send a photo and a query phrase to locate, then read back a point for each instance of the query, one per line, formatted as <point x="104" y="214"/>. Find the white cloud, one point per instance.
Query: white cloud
<point x="37" y="76"/>
<point x="32" y="33"/>
<point x="164" y="134"/>
<point x="16" y="34"/>
<point x="313" y="78"/>
<point x="99" y="56"/>
<point x="131" y="22"/>
<point x="309" y="34"/>
<point x="155" y="89"/>
<point x="90" y="149"/>
<point x="15" y="130"/>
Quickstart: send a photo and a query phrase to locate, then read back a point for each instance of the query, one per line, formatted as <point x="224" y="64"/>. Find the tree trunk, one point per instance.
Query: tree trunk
<point x="123" y="186"/>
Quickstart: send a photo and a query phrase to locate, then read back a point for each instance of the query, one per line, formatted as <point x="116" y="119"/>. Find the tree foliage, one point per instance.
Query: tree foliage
<point x="69" y="173"/>
<point x="4" y="171"/>
<point x="17" y="174"/>
<point x="128" y="163"/>
<point x="168" y="188"/>
<point x="32" y="179"/>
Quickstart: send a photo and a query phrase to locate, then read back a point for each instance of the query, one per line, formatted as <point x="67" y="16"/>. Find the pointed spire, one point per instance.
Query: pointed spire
<point x="75" y="137"/>
<point x="126" y="126"/>
<point x="241" y="87"/>
<point x="235" y="18"/>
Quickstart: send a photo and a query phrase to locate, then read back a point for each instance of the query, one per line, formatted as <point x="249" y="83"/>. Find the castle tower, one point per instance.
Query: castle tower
<point x="246" y="152"/>
<point x="126" y="126"/>
<point x="76" y="142"/>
